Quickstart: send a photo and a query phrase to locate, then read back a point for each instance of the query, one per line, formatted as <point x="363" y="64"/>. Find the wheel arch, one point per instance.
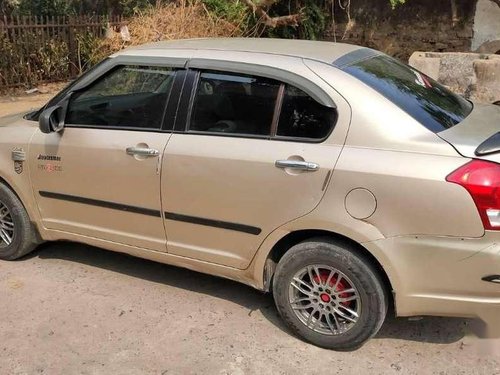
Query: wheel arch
<point x="293" y="238"/>
<point x="5" y="182"/>
<point x="28" y="207"/>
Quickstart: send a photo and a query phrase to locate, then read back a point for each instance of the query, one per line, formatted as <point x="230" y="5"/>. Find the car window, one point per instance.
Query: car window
<point x="127" y="97"/>
<point x="427" y="101"/>
<point x="234" y="104"/>
<point x="34" y="116"/>
<point x="303" y="117"/>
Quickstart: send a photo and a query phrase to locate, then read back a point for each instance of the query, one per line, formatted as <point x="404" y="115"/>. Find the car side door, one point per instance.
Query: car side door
<point x="251" y="155"/>
<point x="100" y="176"/>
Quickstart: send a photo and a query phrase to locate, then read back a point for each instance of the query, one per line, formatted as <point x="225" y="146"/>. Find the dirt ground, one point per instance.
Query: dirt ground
<point x="18" y="101"/>
<point x="73" y="309"/>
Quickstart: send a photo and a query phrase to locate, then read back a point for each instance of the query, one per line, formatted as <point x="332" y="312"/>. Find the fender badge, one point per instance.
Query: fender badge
<point x="50" y="168"/>
<point x="18" y="167"/>
<point x="18" y="156"/>
<point x="49" y="157"/>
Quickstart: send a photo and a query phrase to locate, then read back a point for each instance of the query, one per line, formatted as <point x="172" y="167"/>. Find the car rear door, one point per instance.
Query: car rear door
<point x="254" y="154"/>
<point x="100" y="177"/>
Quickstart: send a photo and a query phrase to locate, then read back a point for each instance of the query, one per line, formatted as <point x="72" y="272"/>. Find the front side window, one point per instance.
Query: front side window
<point x="234" y="104"/>
<point x="430" y="103"/>
<point x="303" y="117"/>
<point x="127" y="97"/>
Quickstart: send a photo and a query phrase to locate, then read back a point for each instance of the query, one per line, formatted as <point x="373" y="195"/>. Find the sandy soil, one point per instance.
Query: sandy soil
<point x="73" y="309"/>
<point x="18" y="101"/>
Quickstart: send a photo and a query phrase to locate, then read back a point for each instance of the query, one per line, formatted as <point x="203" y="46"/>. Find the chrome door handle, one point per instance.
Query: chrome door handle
<point x="142" y="151"/>
<point x="296" y="164"/>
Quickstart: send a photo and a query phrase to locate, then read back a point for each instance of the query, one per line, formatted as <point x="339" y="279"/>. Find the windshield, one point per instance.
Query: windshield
<point x="427" y="101"/>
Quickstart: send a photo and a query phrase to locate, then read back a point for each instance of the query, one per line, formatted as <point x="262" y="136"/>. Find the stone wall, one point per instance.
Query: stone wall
<point x="418" y="25"/>
<point x="474" y="75"/>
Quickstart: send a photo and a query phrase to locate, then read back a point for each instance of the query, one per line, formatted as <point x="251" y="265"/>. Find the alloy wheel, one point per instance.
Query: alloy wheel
<point x="6" y="226"/>
<point x="324" y="299"/>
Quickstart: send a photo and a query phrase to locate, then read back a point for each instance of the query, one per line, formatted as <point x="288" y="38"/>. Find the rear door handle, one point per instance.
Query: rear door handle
<point x="297" y="164"/>
<point x="142" y="151"/>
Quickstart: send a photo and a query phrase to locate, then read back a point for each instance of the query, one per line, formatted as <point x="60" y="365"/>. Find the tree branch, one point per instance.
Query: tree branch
<point x="290" y="20"/>
<point x="251" y="5"/>
<point x="258" y="9"/>
<point x="454" y="13"/>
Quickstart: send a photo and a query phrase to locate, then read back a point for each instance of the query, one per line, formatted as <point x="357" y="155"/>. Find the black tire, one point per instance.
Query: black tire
<point x="24" y="238"/>
<point x="373" y="299"/>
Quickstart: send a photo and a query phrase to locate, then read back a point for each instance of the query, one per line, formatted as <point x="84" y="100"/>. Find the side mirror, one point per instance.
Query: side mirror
<point x="51" y="119"/>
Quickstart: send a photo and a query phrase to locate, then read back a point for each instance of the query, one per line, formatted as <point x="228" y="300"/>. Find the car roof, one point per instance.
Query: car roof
<point x="323" y="51"/>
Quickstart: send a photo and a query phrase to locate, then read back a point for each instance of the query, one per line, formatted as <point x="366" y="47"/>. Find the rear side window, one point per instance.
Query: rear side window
<point x="127" y="97"/>
<point x="430" y="103"/>
<point x="303" y="117"/>
<point x="234" y="104"/>
<point x="248" y="105"/>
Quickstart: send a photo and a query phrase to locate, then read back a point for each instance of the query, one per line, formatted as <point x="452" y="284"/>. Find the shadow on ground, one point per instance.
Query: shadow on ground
<point x="430" y="329"/>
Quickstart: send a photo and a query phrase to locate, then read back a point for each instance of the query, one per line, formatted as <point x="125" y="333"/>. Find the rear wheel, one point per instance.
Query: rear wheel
<point x="17" y="234"/>
<point x="329" y="295"/>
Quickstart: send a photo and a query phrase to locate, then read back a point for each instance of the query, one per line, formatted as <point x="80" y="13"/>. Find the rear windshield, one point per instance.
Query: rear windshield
<point x="427" y="101"/>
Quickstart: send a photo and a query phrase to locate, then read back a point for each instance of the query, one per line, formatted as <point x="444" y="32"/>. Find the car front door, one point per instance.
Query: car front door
<point x="100" y="176"/>
<point x="252" y="158"/>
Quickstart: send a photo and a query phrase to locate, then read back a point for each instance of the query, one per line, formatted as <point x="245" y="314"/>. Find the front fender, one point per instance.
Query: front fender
<point x="15" y="135"/>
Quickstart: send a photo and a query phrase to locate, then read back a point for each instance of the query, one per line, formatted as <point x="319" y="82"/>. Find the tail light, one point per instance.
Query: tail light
<point x="482" y="180"/>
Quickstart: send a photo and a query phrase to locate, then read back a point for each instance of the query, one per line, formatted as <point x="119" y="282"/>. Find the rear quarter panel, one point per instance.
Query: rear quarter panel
<point x="402" y="163"/>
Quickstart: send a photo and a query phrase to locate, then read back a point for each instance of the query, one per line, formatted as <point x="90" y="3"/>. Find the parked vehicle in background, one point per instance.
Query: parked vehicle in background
<point x="331" y="175"/>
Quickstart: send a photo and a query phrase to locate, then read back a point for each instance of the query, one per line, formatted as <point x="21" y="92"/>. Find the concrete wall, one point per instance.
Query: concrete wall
<point x="486" y="25"/>
<point x="476" y="76"/>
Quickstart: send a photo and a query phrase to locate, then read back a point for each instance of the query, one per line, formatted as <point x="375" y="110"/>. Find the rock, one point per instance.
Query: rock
<point x="477" y="76"/>
<point x="427" y="65"/>
<point x="492" y="47"/>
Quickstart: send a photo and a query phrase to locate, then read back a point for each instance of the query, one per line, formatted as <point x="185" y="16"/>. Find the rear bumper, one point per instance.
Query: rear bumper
<point x="442" y="276"/>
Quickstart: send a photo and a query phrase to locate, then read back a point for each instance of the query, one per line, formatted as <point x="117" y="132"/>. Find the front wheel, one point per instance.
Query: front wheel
<point x="329" y="295"/>
<point x="18" y="236"/>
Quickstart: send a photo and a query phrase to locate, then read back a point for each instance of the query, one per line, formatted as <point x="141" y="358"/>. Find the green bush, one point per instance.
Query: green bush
<point x="89" y="52"/>
<point x="44" y="7"/>
<point x="128" y="8"/>
<point x="29" y="60"/>
<point x="229" y="10"/>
